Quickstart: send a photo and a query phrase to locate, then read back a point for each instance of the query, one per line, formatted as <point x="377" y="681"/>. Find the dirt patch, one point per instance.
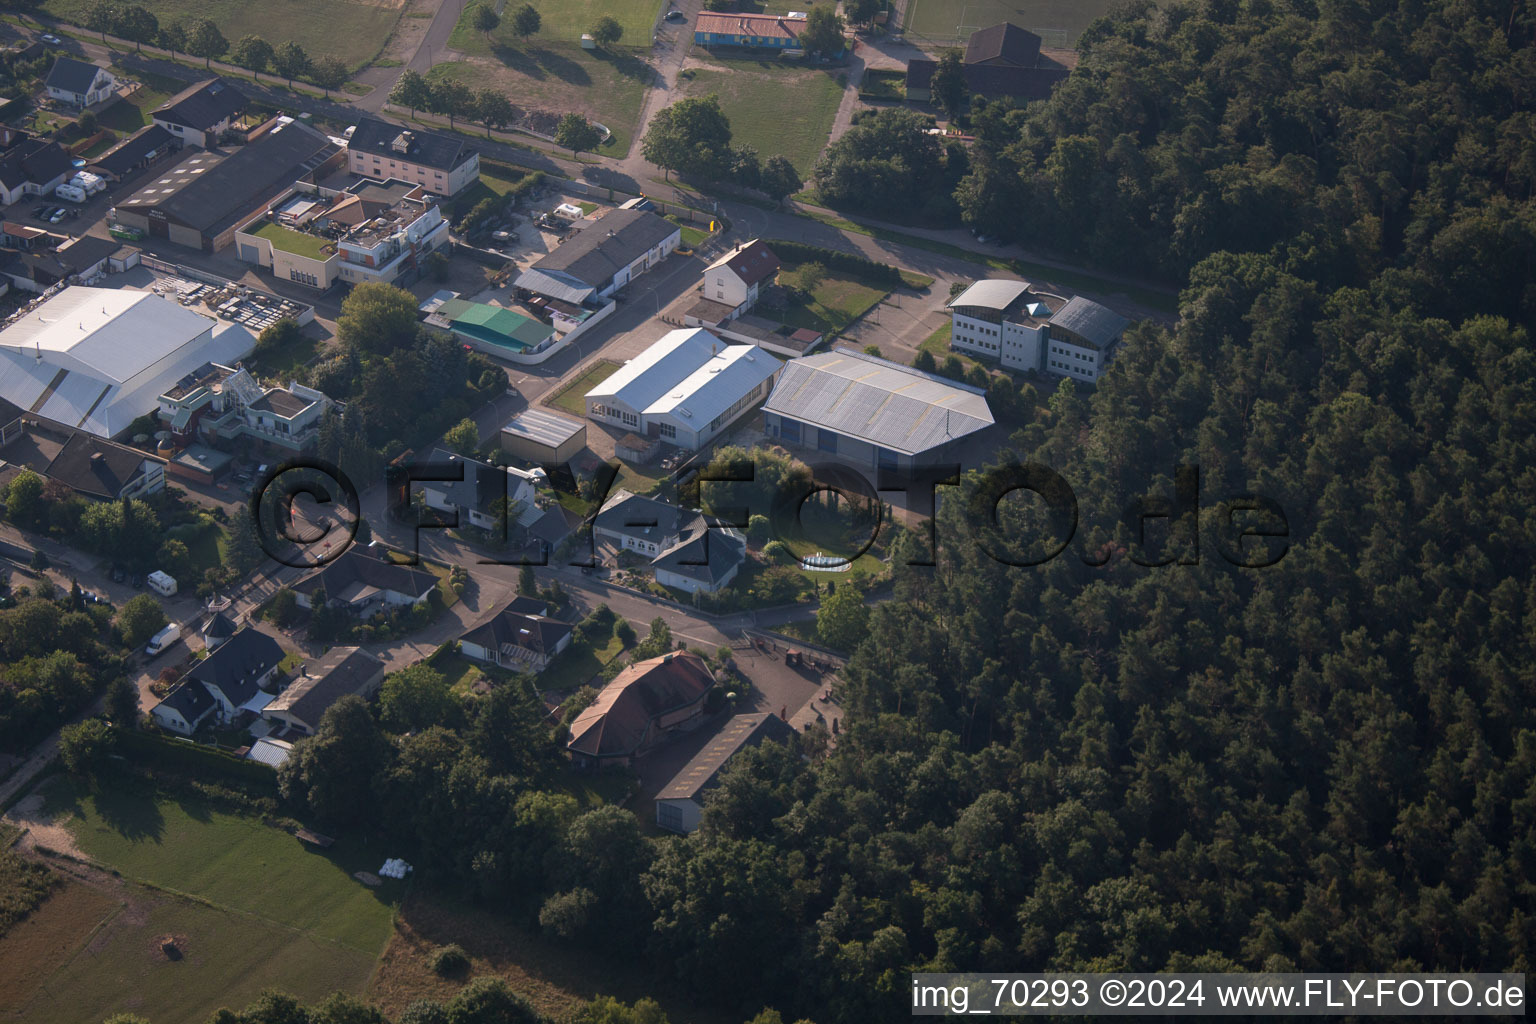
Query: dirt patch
<point x="43" y="829"/>
<point x="168" y="949"/>
<point x="409" y="31"/>
<point x="369" y="879"/>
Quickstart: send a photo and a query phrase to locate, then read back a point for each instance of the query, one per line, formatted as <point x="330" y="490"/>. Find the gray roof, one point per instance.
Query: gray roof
<point x="142" y="145"/>
<point x="201" y="106"/>
<point x="603" y="249"/>
<point x="543" y="427"/>
<point x="190" y="700"/>
<point x="439" y="151"/>
<point x="556" y="284"/>
<point x="220" y="625"/>
<point x="511" y="627"/>
<point x="341" y="672"/>
<point x="740" y="732"/>
<point x="356" y="566"/>
<point x="1006" y="43"/>
<point x="237" y="663"/>
<point x="993" y="293"/>
<point x="1099" y="325"/>
<point x="70" y="75"/>
<point x="874" y="400"/>
<point x="703" y="554"/>
<point x="208" y="195"/>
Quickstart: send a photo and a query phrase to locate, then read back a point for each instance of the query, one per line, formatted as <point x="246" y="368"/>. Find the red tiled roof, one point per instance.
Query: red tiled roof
<point x="769" y="26"/>
<point x="618" y="723"/>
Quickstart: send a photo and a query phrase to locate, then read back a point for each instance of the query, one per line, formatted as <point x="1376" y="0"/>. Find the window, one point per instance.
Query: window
<point x="668" y="816"/>
<point x="826" y="441"/>
<point x="667" y="429"/>
<point x="789" y="430"/>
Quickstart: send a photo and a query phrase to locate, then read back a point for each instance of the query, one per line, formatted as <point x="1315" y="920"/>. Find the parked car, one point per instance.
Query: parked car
<point x="138" y="582"/>
<point x="58" y="215"/>
<point x="50" y="39"/>
<point x="40" y="211"/>
<point x="676" y="16"/>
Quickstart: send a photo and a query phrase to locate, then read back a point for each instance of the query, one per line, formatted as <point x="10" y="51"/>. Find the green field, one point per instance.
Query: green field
<point x="578" y="663"/>
<point x="572" y="396"/>
<point x="797" y="124"/>
<point x="1058" y="23"/>
<point x="563" y="22"/>
<point x="607" y="88"/>
<point x="353" y="32"/>
<point x="234" y="863"/>
<point x="835" y="303"/>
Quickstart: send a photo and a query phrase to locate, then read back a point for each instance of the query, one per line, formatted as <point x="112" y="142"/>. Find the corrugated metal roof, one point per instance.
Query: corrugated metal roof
<point x="716" y="385"/>
<point x="556" y="286"/>
<point x="741" y="731"/>
<point x="672" y="367"/>
<point x="874" y="400"/>
<point x="542" y="427"/>
<point x="1085" y="318"/>
<point x="993" y="293"/>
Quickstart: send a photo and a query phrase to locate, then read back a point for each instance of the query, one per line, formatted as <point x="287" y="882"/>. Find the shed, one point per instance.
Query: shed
<point x="543" y="438"/>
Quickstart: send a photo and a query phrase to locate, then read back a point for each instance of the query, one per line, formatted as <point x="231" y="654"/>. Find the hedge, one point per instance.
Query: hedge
<point x="197" y="760"/>
<point x="835" y="259"/>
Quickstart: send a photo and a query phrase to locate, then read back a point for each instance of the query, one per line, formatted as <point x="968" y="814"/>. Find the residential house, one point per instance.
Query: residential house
<point x="77" y="83"/>
<point x="33" y="167"/>
<point x="200" y="114"/>
<point x="365" y="585"/>
<point x="645" y="705"/>
<point x="201" y="201"/>
<point x="873" y="413"/>
<point x="239" y="674"/>
<point x="144" y="148"/>
<point x="687" y="549"/>
<point x="517" y="638"/>
<point x="602" y="257"/>
<point x="733" y="281"/>
<point x="91" y="466"/>
<point x="40" y="268"/>
<point x="226" y="404"/>
<point x="680" y="804"/>
<point x="1007" y="321"/>
<point x="184" y="708"/>
<point x="752" y="31"/>
<point x="481" y="495"/>
<point x="1000" y="61"/>
<point x="446" y="164"/>
<point x="340" y="672"/>
<point x="685" y="389"/>
<point x="373" y="232"/>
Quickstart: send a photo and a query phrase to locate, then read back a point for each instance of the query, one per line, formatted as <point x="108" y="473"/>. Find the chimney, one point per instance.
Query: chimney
<point x="97" y="458"/>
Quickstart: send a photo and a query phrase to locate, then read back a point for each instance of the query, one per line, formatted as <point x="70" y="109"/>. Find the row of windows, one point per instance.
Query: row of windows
<point x="667" y="429"/>
<point x="1069" y="368"/>
<point x="1068" y="352"/>
<point x="741" y="403"/>
<point x="303" y="278"/>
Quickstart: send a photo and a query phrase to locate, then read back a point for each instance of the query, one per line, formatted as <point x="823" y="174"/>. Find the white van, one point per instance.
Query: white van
<point x="162" y="583"/>
<point x="163" y="639"/>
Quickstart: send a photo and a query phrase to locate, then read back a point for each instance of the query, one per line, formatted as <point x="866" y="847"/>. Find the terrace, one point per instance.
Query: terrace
<point x="298" y="243"/>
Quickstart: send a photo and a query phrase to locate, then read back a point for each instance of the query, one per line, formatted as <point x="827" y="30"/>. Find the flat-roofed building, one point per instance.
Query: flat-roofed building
<point x="543" y="437"/>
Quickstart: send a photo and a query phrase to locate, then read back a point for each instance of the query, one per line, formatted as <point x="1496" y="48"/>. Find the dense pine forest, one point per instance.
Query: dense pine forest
<point x="1329" y="763"/>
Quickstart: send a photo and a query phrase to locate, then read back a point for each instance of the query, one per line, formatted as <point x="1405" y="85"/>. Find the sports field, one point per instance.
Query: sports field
<point x="1058" y="23"/>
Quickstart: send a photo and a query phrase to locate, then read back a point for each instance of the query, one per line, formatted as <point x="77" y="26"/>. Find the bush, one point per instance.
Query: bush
<point x="778" y="552"/>
<point x="449" y="961"/>
<point x="852" y="263"/>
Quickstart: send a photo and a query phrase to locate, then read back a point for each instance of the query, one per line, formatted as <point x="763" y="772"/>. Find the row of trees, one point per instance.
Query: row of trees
<point x="200" y="37"/>
<point x="693" y="138"/>
<point x="453" y="99"/>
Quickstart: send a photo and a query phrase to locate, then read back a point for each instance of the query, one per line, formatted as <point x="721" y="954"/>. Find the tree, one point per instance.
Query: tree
<point x="255" y="55"/>
<point x="123" y="703"/>
<point x="24" y="504"/>
<point x="244" y="551"/>
<point x="138" y="25"/>
<point x="173" y="37"/>
<point x="174" y="558"/>
<point x="85" y="747"/>
<point x="606" y="31"/>
<point x="377" y="318"/>
<point x="823" y="32"/>
<point x="205" y="40"/>
<point x="291" y="61"/>
<point x="464" y="438"/>
<point x="779" y="179"/>
<point x="526" y="21"/>
<point x="140" y="618"/>
<point x="415" y="698"/>
<point x="485" y="20"/>
<point x="102" y="16"/>
<point x="862" y="12"/>
<point x="332" y="773"/>
<point x="693" y="137"/>
<point x="576" y="133"/>
<point x="411" y="91"/>
<point x="328" y="73"/>
<point x="810" y="277"/>
<point x="746" y="169"/>
<point x="947" y="86"/>
<point x="527" y="583"/>
<point x="452" y="98"/>
<point x="494" y="109"/>
<point x="488" y="1000"/>
<point x="843" y="620"/>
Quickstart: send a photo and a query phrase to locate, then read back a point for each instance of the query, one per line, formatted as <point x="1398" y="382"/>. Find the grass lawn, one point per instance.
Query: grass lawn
<point x="796" y="124"/>
<point x="882" y="84"/>
<point x="1057" y="22"/>
<point x="100" y="147"/>
<point x="937" y="345"/>
<point x="560" y="78"/>
<point x="562" y="22"/>
<point x="207" y="546"/>
<point x="228" y="959"/>
<point x="185" y="846"/>
<point x="296" y="242"/>
<point x="836" y="302"/>
<point x="577" y="664"/>
<point x="596" y="789"/>
<point x="131" y="114"/>
<point x="353" y="32"/>
<point x="279" y="360"/>
<point x="572" y="396"/>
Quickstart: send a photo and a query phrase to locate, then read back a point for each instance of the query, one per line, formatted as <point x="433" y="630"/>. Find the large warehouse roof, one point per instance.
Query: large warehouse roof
<point x="97" y="358"/>
<point x="877" y="401"/>
<point x="991" y="294"/>
<point x="690" y="374"/>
